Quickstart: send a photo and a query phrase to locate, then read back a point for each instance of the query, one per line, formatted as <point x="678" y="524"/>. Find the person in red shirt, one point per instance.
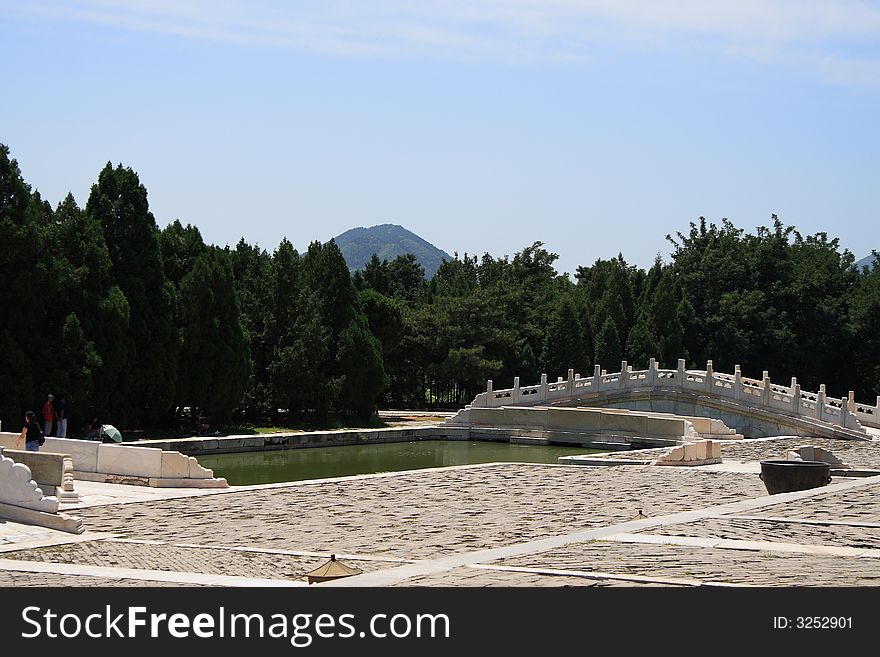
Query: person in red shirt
<point x="48" y="415"/>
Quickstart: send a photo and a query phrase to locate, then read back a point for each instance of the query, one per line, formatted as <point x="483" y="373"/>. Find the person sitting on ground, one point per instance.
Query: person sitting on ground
<point x="92" y="429"/>
<point x="31" y="433"/>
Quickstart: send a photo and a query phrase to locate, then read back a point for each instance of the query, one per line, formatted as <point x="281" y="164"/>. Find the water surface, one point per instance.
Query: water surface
<point x="266" y="467"/>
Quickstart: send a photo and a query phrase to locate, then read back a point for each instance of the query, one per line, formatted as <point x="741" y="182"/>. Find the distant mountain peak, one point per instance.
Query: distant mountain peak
<point x="387" y="241"/>
<point x="865" y="262"/>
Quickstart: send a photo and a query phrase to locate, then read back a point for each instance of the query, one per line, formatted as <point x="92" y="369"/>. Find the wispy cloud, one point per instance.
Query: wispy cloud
<point x="836" y="41"/>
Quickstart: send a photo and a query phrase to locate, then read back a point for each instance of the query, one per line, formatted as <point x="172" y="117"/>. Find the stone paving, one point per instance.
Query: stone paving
<point x="185" y="559"/>
<point x="774" y="530"/>
<point x="481" y="526"/>
<point x="756" y="568"/>
<point x="477" y="577"/>
<point x="425" y="514"/>
<point x="10" y="578"/>
<point x="860" y="505"/>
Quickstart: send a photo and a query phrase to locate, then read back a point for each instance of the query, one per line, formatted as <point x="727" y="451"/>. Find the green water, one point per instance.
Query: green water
<point x="319" y="462"/>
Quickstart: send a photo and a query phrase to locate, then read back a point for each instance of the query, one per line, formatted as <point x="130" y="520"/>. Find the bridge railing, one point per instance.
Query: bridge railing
<point x="761" y="393"/>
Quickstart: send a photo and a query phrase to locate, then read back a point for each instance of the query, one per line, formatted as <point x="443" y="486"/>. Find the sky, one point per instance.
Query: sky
<point x="594" y="126"/>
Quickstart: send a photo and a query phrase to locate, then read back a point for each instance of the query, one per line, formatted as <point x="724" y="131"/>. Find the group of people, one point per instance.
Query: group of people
<point x="54" y="424"/>
<point x="54" y="417"/>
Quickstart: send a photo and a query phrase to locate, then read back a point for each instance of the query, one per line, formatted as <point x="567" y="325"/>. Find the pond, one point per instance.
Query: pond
<point x="266" y="467"/>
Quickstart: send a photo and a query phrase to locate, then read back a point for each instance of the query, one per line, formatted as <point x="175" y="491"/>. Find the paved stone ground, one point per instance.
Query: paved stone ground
<point x="756" y="568"/>
<point x="446" y="519"/>
<point x="781" y="532"/>
<point x="186" y="559"/>
<point x="426" y="514"/>
<point x="17" y="579"/>
<point x="860" y="505"/>
<point x="477" y="577"/>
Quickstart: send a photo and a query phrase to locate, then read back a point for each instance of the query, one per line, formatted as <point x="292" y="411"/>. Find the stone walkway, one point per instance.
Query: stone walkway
<point x="486" y="525"/>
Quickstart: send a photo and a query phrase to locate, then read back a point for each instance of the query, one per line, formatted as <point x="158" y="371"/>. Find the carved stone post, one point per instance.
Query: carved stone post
<point x="652" y="372"/>
<point x="490" y="400"/>
<point x="682" y="373"/>
<point x="844" y="412"/>
<point x="851" y="401"/>
<point x="737" y="382"/>
<point x="795" y="397"/>
<point x="570" y="383"/>
<point x="543" y="387"/>
<point x="820" y="402"/>
<point x="710" y="373"/>
<point x="597" y="377"/>
<point x="765" y="393"/>
<point x="515" y="396"/>
<point x="623" y="373"/>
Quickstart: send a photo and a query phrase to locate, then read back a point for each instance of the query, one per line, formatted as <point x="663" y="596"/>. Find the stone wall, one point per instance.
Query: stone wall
<point x="148" y="466"/>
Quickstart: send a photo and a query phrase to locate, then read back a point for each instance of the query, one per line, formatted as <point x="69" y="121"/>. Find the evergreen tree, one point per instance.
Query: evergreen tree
<point x="564" y="346"/>
<point x="145" y="390"/>
<point x="214" y="362"/>
<point x="608" y="346"/>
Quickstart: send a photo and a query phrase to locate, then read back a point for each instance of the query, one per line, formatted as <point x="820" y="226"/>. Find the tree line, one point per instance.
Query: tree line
<point x="137" y="323"/>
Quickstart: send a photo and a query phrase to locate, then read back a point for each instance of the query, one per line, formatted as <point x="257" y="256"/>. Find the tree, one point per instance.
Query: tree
<point x="214" y="361"/>
<point x="145" y="389"/>
<point x="360" y="360"/>
<point x="564" y="345"/>
<point x="608" y="346"/>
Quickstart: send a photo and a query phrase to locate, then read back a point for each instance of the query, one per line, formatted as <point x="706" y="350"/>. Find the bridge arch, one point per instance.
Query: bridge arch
<point x="755" y="408"/>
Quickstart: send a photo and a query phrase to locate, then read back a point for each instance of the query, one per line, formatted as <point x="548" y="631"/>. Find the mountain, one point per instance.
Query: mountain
<point x="388" y="241"/>
<point x="865" y="262"/>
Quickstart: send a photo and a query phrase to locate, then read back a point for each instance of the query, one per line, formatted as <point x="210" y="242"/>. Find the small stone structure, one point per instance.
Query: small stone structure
<point x="812" y="453"/>
<point x="21" y="500"/>
<point x="53" y="472"/>
<point x="123" y="464"/>
<point x="699" y="452"/>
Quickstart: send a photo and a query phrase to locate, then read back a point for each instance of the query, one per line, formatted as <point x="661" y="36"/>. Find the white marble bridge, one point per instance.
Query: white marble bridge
<point x="754" y="407"/>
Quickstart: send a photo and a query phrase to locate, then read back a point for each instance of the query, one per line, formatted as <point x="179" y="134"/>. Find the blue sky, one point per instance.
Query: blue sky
<point x="594" y="126"/>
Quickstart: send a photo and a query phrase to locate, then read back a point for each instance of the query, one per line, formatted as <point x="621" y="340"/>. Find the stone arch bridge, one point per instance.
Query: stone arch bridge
<point x="754" y="408"/>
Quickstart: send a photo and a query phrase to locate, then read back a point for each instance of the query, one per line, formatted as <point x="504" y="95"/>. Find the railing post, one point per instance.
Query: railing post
<point x="851" y="401"/>
<point x="795" y="397"/>
<point x="515" y="396"/>
<point x="490" y="398"/>
<point x="623" y="373"/>
<point x="844" y="411"/>
<point x="765" y="393"/>
<point x="597" y="377"/>
<point x="570" y="383"/>
<point x="820" y="402"/>
<point x="878" y="405"/>
<point x="543" y="387"/>
<point x="652" y="372"/>
<point x="737" y="382"/>
<point x="710" y="372"/>
<point x="682" y="373"/>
